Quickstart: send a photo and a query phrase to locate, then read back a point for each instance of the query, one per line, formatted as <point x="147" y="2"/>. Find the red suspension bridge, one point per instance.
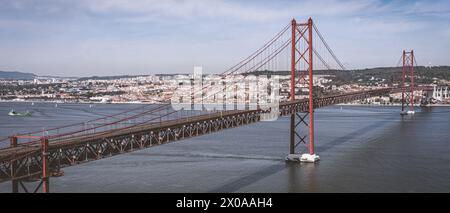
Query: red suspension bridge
<point x="298" y="47"/>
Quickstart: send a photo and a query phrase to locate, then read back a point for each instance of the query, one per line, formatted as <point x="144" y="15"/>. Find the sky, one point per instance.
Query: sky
<point x="117" y="37"/>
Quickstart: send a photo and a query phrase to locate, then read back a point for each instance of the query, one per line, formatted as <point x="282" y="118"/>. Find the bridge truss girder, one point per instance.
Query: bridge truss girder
<point x="39" y="162"/>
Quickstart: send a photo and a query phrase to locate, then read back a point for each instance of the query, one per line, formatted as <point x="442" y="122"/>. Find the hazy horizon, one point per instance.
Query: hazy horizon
<point x="143" y="37"/>
<point x="180" y="73"/>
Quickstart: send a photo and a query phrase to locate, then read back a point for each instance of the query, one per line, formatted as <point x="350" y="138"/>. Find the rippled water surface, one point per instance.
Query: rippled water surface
<point x="362" y="149"/>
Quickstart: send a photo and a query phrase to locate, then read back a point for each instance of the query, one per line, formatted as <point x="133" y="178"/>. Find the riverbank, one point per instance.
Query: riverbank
<point x="68" y="102"/>
<point x="390" y="105"/>
<point x="135" y="102"/>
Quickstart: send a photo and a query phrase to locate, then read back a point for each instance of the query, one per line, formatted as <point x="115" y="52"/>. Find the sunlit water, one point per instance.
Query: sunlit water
<point x="362" y="149"/>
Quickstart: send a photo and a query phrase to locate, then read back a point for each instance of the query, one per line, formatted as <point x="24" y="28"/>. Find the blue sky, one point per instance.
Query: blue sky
<point x="113" y="37"/>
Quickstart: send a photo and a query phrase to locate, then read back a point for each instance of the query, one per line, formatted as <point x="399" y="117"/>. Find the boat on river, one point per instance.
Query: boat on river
<point x="14" y="113"/>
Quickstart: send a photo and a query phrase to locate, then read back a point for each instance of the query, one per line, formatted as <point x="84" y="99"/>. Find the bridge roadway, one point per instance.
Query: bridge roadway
<point x="25" y="161"/>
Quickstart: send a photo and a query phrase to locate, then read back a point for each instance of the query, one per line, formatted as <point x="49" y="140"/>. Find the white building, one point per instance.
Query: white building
<point x="441" y="93"/>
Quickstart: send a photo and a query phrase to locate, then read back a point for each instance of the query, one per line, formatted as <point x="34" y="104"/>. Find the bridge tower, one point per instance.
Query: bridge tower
<point x="17" y="166"/>
<point x="408" y="71"/>
<point x="302" y="78"/>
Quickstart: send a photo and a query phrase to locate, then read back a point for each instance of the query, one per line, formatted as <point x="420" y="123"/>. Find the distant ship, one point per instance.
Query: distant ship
<point x="14" y="113"/>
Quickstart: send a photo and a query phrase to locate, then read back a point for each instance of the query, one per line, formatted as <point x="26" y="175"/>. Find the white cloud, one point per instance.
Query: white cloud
<point x="179" y="9"/>
<point x="386" y="26"/>
<point x="142" y="10"/>
<point x="111" y="35"/>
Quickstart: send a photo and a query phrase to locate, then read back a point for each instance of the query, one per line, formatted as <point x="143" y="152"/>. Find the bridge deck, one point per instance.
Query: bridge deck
<point x="61" y="143"/>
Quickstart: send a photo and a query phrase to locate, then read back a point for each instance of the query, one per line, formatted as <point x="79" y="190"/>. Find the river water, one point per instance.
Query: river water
<point x="362" y="149"/>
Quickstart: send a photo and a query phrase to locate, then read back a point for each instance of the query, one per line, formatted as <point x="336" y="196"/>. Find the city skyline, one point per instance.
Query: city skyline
<point x="86" y="38"/>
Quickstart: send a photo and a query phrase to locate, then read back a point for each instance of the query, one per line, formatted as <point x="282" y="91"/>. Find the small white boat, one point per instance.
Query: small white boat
<point x="409" y="112"/>
<point x="14" y="113"/>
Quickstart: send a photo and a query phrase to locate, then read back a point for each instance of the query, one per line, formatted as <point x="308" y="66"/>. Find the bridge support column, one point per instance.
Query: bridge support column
<point x="14" y="183"/>
<point x="302" y="116"/>
<point x="224" y="96"/>
<point x="45" y="175"/>
<point x="18" y="168"/>
<point x="408" y="96"/>
<point x="192" y="94"/>
<point x="292" y="135"/>
<point x="235" y="95"/>
<point x="247" y="95"/>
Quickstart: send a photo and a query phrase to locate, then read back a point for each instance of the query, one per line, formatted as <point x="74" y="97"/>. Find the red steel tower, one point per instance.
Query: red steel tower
<point x="302" y="79"/>
<point x="408" y="69"/>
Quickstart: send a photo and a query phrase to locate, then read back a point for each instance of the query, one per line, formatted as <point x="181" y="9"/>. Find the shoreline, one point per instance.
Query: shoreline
<point x="59" y="102"/>
<point x="393" y="105"/>
<point x="132" y="102"/>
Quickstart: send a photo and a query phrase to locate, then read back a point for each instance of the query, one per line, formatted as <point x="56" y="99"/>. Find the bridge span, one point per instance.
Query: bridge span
<point x="44" y="156"/>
